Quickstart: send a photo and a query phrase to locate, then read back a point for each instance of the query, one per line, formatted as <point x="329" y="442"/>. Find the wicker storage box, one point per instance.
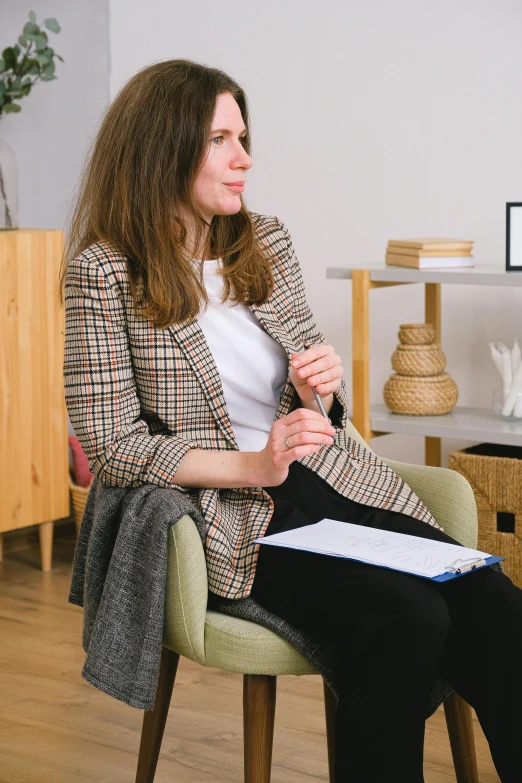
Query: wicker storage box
<point x="419" y="360"/>
<point x="79" y="499"/>
<point x="420" y="396"/>
<point x="495" y="474"/>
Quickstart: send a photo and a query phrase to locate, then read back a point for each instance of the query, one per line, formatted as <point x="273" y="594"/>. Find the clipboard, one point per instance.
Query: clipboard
<point x="437" y="561"/>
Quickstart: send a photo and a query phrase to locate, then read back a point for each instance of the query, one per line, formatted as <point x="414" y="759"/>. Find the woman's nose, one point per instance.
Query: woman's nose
<point x="243" y="159"/>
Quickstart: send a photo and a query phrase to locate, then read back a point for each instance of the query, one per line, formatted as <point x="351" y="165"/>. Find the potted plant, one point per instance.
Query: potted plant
<point x="23" y="65"/>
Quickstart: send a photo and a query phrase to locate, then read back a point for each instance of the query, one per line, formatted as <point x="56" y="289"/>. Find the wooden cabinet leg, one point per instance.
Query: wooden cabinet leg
<point x="330" y="708"/>
<point x="259" y="700"/>
<point x="460" y="729"/>
<point x="45" y="531"/>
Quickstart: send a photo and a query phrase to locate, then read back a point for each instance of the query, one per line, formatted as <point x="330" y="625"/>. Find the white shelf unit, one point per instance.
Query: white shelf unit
<point x="372" y="420"/>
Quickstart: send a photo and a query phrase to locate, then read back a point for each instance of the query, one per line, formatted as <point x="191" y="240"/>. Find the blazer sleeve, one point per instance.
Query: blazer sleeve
<point x="308" y="328"/>
<point x="100" y="388"/>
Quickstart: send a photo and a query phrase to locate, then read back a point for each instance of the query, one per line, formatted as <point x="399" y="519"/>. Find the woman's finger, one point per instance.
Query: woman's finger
<point x="324" y="389"/>
<point x="324" y="364"/>
<point x="316" y="425"/>
<point x="311" y="354"/>
<point x="331" y="374"/>
<point x="300" y="414"/>
<point x="317" y="353"/>
<point x="304" y="438"/>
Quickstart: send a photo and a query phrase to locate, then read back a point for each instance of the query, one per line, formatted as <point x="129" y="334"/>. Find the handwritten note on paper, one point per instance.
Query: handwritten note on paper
<point x="420" y="556"/>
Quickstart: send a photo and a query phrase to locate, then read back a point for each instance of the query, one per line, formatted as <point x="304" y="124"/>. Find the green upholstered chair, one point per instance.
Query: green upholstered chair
<point x="236" y="645"/>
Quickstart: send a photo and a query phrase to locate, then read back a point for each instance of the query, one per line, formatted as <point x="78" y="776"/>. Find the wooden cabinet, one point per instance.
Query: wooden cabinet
<point x="34" y="485"/>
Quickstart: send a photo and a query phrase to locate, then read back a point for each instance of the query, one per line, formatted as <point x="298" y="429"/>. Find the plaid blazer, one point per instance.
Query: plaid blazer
<point x="140" y="397"/>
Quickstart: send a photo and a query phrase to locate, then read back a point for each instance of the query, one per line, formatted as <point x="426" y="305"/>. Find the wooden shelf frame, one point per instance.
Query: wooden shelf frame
<point x="365" y="280"/>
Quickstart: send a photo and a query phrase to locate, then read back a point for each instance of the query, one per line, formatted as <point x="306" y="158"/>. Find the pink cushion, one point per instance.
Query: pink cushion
<point x="82" y="474"/>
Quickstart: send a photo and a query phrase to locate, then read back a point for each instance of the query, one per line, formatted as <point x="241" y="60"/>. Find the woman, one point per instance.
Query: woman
<point x="190" y="360"/>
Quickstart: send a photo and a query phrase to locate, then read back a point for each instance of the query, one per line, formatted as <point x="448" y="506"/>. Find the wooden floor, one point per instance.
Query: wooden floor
<point x="55" y="728"/>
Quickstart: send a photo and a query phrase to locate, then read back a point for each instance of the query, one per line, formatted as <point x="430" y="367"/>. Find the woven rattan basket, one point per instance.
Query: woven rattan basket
<point x="495" y="474"/>
<point x="420" y="396"/>
<point x="418" y="360"/>
<point x="416" y="334"/>
<point x="79" y="499"/>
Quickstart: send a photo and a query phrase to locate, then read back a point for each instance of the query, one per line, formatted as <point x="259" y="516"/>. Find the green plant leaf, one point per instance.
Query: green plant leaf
<point x="2" y="65"/>
<point x="26" y="80"/>
<point x="49" y="68"/>
<point x="11" y="108"/>
<point x="26" y="89"/>
<point x="48" y="77"/>
<point x="16" y="50"/>
<point x="32" y="17"/>
<point x="30" y="28"/>
<point x="42" y="59"/>
<point x="9" y="58"/>
<point x="41" y="42"/>
<point x="14" y="89"/>
<point x="49" y="52"/>
<point x="52" y="25"/>
<point x="2" y="90"/>
<point x="22" y="40"/>
<point x="34" y="68"/>
<point x="27" y="64"/>
<point x="59" y="58"/>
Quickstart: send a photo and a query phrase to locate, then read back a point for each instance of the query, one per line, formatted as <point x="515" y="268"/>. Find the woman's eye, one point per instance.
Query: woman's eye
<point x="217" y="141"/>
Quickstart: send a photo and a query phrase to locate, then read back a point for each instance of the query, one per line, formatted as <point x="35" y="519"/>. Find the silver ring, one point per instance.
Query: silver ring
<point x="288" y="446"/>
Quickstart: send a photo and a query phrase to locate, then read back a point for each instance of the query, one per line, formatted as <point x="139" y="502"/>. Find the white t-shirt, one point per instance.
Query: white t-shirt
<point x="253" y="367"/>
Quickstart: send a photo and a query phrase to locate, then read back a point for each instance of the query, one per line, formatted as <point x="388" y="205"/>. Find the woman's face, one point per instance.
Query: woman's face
<point x="221" y="178"/>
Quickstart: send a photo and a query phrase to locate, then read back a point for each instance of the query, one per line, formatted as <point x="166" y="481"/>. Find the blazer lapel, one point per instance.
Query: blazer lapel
<point x="192" y="342"/>
<point x="270" y="322"/>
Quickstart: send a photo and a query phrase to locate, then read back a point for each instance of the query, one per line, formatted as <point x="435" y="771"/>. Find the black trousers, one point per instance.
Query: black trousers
<point x="390" y="633"/>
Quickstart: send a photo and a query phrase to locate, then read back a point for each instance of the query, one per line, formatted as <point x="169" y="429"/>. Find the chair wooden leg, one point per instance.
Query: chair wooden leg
<point x="330" y="708"/>
<point x="154" y="720"/>
<point x="462" y="740"/>
<point x="259" y="699"/>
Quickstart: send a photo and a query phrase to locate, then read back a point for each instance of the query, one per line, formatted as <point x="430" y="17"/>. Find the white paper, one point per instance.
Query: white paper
<point x="414" y="555"/>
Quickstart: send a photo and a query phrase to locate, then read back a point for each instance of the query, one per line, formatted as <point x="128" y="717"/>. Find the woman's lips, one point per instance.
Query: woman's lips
<point x="238" y="187"/>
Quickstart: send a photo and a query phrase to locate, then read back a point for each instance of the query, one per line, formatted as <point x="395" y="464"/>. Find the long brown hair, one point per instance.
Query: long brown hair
<point x="141" y="170"/>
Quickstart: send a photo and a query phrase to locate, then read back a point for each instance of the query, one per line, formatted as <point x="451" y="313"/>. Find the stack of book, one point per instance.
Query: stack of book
<point x="429" y="253"/>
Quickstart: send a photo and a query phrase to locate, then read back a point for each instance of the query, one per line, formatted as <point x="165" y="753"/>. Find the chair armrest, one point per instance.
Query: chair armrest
<point x="186" y="592"/>
<point x="447" y="495"/>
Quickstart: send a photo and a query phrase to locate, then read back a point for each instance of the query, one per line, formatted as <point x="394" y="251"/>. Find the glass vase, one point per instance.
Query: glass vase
<point x="499" y="399"/>
<point x="8" y="187"/>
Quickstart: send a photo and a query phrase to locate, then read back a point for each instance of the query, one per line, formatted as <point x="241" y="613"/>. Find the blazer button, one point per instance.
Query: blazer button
<point x="354" y="463"/>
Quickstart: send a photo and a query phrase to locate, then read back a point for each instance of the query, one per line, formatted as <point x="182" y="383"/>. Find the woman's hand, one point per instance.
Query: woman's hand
<point x="296" y="435"/>
<point x="318" y="366"/>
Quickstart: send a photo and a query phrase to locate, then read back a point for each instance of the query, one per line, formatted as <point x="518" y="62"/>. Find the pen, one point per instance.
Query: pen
<point x="317" y="398"/>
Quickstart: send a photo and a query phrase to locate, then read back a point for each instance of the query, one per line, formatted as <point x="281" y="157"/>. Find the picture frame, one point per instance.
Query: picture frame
<point x="514" y="236"/>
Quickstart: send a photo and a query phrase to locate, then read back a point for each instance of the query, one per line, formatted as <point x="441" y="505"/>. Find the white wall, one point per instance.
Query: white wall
<point x="58" y="119"/>
<point x="371" y="120"/>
